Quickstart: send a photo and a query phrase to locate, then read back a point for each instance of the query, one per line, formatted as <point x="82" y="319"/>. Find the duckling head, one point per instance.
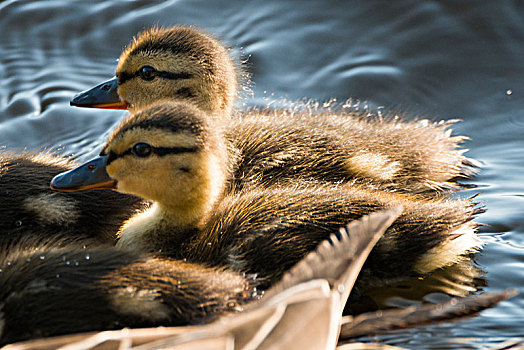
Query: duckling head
<point x="178" y="63"/>
<point x="165" y="153"/>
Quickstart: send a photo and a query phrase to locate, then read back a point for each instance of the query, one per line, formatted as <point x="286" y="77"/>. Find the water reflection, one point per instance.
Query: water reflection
<point x="459" y="280"/>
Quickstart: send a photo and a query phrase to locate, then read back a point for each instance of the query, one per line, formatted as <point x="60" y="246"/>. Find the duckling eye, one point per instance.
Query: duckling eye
<point x="147" y="73"/>
<point x="142" y="149"/>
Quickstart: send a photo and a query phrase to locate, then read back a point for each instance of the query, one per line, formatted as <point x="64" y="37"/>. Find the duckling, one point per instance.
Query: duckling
<point x="172" y="154"/>
<point x="29" y="208"/>
<point x="52" y="291"/>
<point x="185" y="64"/>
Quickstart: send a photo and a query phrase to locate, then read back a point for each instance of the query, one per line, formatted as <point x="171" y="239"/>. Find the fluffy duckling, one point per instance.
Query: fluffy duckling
<point x="173" y="155"/>
<point x="52" y="291"/>
<point x="184" y="64"/>
<point x="29" y="208"/>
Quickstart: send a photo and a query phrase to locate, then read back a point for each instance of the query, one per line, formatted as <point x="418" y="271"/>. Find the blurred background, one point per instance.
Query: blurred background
<point x="430" y="59"/>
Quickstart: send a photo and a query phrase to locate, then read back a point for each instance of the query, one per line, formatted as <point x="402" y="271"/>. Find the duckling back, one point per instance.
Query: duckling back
<point x="414" y="157"/>
<point x="266" y="231"/>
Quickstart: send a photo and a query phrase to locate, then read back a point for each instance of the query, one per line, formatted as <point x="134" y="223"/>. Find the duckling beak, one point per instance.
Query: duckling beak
<point x="88" y="176"/>
<point x="104" y="95"/>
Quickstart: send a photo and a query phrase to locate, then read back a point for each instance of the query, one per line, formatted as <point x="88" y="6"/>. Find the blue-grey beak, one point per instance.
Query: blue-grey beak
<point x="88" y="176"/>
<point x="104" y="95"/>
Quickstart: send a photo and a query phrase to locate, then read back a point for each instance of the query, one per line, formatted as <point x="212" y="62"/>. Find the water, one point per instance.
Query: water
<point x="439" y="59"/>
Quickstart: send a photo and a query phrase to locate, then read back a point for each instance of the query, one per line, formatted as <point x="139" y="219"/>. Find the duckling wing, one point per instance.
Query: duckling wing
<point x="339" y="258"/>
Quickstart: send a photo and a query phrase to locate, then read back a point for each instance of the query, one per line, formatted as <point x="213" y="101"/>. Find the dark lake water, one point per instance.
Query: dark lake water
<point x="437" y="59"/>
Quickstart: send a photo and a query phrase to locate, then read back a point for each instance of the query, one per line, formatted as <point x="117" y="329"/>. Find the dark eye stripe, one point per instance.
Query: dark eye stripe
<point x="110" y="157"/>
<point x="123" y="77"/>
<point x="173" y="76"/>
<point x="162" y="151"/>
<point x="159" y="151"/>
